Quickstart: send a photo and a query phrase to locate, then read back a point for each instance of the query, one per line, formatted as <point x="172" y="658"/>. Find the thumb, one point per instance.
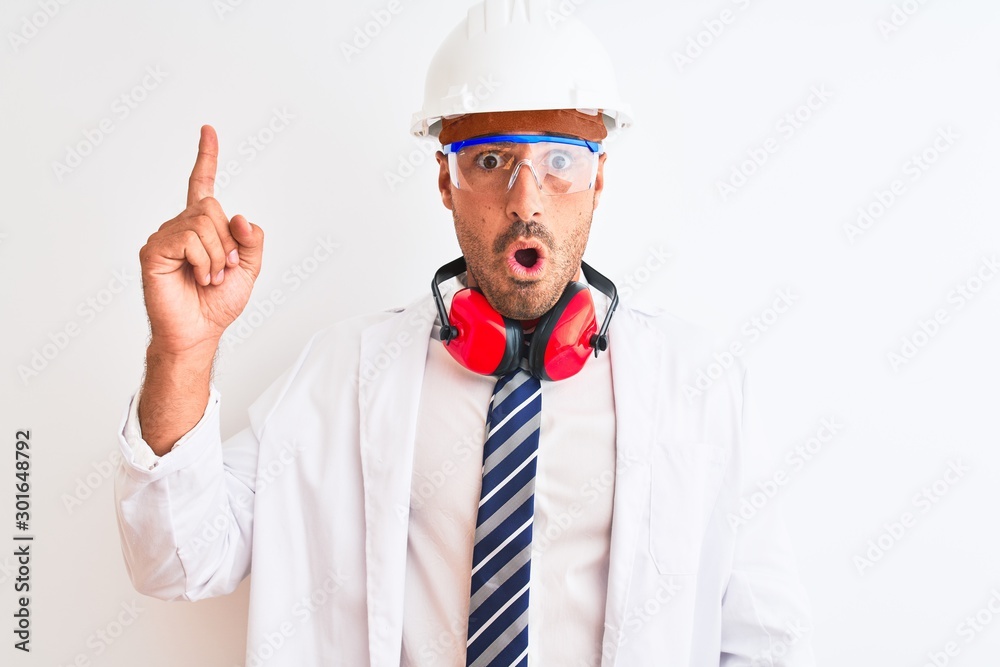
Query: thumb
<point x="250" y="238"/>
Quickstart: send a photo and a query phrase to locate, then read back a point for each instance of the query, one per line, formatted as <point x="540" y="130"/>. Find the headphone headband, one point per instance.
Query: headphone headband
<point x="608" y="289"/>
<point x="450" y="270"/>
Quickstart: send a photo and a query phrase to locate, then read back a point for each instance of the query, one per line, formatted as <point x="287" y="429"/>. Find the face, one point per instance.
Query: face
<point x="522" y="247"/>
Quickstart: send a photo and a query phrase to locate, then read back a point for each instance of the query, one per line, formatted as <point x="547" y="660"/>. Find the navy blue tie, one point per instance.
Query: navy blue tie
<point x="501" y="560"/>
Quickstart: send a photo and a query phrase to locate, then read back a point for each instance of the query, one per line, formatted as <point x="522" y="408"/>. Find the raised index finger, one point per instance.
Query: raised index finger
<point x="202" y="182"/>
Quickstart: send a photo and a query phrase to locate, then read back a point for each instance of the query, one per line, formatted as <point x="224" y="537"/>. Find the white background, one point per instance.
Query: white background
<point x="63" y="236"/>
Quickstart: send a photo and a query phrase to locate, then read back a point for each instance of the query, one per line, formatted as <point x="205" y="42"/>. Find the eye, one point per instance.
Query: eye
<point x="559" y="160"/>
<point x="489" y="161"/>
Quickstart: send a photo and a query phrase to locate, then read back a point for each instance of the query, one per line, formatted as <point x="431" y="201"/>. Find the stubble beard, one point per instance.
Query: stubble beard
<point x="522" y="299"/>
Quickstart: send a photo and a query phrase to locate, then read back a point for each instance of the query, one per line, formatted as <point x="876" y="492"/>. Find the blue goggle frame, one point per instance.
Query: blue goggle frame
<point x="594" y="146"/>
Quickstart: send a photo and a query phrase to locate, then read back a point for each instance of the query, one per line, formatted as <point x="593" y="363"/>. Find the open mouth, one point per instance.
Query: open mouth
<point x="526" y="259"/>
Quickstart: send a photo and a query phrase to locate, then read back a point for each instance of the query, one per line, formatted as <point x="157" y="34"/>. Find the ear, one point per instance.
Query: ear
<point x="599" y="179"/>
<point x="444" y="181"/>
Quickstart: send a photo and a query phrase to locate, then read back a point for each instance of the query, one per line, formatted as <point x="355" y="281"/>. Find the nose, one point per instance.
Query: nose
<point x="524" y="194"/>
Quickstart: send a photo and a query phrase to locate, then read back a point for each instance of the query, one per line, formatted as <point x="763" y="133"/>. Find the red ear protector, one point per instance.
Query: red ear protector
<point x="484" y="341"/>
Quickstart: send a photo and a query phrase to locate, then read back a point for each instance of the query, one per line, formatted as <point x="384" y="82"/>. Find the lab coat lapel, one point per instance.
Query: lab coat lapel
<point x="393" y="354"/>
<point x="636" y="371"/>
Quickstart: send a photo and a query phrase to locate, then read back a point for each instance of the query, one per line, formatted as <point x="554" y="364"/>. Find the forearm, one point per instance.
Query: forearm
<point x="175" y="392"/>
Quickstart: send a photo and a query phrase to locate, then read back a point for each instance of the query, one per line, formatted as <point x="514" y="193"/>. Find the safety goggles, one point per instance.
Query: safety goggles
<point x="490" y="165"/>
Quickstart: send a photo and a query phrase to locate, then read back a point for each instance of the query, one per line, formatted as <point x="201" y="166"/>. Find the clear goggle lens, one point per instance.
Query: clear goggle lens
<point x="490" y="165"/>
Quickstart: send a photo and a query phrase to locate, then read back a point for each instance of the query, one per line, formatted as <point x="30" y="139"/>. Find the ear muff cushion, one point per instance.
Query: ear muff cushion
<point x="561" y="343"/>
<point x="487" y="341"/>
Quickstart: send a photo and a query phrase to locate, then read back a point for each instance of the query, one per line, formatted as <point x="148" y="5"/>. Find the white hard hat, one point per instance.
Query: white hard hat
<point x="519" y="55"/>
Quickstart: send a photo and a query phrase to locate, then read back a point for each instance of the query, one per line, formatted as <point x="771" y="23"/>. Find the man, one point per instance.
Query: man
<point x="468" y="481"/>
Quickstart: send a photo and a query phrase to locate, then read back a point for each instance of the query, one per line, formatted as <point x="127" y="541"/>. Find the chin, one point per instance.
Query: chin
<point x="527" y="301"/>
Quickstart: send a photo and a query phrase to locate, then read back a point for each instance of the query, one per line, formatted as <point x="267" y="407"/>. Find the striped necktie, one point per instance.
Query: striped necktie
<point x="501" y="559"/>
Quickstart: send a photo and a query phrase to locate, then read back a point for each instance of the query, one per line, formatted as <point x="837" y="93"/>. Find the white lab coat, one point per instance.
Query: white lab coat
<point x="329" y="451"/>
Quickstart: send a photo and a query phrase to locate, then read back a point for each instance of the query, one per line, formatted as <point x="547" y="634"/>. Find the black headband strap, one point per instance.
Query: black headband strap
<point x="600" y="341"/>
<point x="447" y="272"/>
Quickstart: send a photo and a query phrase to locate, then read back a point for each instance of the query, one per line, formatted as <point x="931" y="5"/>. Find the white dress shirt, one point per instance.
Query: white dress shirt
<point x="574" y="491"/>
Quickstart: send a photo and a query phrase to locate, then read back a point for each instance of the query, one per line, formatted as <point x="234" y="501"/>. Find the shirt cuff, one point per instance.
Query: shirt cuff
<point x="143" y="455"/>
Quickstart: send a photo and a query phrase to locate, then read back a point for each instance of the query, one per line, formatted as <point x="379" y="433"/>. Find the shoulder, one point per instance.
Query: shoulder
<point x="329" y="366"/>
<point x="698" y="361"/>
<point x="677" y="334"/>
<point x="346" y="335"/>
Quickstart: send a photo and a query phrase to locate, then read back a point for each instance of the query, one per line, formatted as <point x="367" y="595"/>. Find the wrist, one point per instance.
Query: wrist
<point x="193" y="357"/>
<point x="175" y="390"/>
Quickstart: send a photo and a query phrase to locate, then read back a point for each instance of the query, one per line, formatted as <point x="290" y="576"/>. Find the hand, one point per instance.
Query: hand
<point x="198" y="270"/>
